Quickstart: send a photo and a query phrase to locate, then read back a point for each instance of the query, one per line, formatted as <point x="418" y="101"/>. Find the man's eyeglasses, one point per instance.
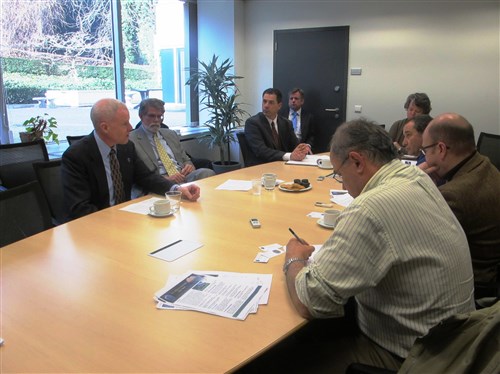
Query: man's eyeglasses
<point x="154" y="116"/>
<point x="423" y="149"/>
<point x="336" y="174"/>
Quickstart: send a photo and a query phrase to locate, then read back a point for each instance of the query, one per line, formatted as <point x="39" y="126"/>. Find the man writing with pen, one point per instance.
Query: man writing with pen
<point x="397" y="249"/>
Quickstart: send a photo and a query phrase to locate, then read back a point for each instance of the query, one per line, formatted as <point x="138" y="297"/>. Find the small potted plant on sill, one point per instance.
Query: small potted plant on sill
<point x="219" y="94"/>
<point x="39" y="127"/>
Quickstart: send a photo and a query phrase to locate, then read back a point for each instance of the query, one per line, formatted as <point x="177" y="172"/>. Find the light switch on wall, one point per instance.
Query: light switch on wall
<point x="357" y="108"/>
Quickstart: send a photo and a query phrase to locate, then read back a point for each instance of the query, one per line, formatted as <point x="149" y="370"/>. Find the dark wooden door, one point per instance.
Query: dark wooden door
<point x="315" y="60"/>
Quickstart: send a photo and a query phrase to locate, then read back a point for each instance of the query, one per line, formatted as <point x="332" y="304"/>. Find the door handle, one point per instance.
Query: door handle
<point x="332" y="110"/>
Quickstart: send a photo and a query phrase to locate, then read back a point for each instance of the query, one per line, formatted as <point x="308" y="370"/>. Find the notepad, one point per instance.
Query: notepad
<point x="176" y="249"/>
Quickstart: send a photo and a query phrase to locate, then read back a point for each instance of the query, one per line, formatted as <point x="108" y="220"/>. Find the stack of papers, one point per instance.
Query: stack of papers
<point x="225" y="294"/>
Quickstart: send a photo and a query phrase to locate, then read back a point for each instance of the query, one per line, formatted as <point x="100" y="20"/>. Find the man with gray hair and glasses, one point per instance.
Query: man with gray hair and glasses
<point x="397" y="251"/>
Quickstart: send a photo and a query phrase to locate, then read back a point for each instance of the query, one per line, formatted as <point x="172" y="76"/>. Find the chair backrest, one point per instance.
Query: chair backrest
<point x="465" y="343"/>
<point x="23" y="212"/>
<point x="74" y="138"/>
<point x="242" y="140"/>
<point x="48" y="174"/>
<point x="489" y="145"/>
<point x="16" y="160"/>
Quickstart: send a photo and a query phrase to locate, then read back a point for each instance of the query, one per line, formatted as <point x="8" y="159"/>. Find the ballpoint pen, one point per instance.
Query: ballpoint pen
<point x="296" y="236"/>
<point x="322" y="177"/>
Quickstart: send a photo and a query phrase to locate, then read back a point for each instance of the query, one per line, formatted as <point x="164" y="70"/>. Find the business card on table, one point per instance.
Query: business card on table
<point x="272" y="250"/>
<point x="269" y="251"/>
<point x="261" y="258"/>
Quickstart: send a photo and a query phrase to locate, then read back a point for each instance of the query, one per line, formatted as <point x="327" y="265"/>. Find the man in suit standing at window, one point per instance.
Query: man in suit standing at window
<point x="271" y="137"/>
<point x="302" y="120"/>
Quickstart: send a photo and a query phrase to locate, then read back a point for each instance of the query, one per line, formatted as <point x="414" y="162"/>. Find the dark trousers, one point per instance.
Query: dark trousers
<point x="323" y="346"/>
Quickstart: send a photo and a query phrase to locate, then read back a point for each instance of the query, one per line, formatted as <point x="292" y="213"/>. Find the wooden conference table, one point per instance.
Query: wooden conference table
<point x="79" y="297"/>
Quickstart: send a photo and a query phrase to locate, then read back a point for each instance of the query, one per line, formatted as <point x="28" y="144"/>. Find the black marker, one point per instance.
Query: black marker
<point x="162" y="248"/>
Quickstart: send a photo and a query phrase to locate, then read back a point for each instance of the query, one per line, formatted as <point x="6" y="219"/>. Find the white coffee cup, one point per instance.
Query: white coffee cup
<point x="269" y="180"/>
<point x="324" y="163"/>
<point x="160" y="207"/>
<point x="330" y="217"/>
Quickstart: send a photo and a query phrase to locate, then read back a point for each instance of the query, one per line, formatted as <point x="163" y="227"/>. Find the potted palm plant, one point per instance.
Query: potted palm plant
<point x="39" y="127"/>
<point x="218" y="95"/>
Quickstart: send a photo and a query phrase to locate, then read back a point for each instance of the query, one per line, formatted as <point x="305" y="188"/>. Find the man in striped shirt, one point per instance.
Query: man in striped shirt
<point x="397" y="250"/>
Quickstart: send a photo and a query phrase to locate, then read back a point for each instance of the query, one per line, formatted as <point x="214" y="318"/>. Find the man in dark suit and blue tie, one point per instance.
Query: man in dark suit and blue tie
<point x="270" y="137"/>
<point x="302" y="120"/>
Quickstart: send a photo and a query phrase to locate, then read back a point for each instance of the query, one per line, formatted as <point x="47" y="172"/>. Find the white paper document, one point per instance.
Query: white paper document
<point x="141" y="207"/>
<point x="231" y="295"/>
<point x="310" y="160"/>
<point x="235" y="185"/>
<point x="315" y="215"/>
<point x="175" y="249"/>
<point x="341" y="197"/>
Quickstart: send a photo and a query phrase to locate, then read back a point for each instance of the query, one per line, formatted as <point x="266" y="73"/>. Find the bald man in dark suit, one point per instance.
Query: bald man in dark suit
<point x="87" y="171"/>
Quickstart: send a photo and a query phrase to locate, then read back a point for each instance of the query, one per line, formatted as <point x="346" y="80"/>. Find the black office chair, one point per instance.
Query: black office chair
<point x="242" y="140"/>
<point x="73" y="138"/>
<point x="23" y="212"/>
<point x="487" y="293"/>
<point x="16" y="162"/>
<point x="489" y="145"/>
<point x="48" y="174"/>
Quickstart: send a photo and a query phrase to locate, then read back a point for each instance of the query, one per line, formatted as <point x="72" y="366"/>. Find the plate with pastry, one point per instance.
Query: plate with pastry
<point x="298" y="185"/>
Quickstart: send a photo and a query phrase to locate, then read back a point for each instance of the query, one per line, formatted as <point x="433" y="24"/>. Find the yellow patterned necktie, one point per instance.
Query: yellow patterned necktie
<point x="167" y="162"/>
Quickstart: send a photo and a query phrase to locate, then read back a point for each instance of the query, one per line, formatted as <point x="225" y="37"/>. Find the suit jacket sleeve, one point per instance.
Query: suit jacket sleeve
<point x="259" y="139"/>
<point x="84" y="179"/>
<point x="134" y="171"/>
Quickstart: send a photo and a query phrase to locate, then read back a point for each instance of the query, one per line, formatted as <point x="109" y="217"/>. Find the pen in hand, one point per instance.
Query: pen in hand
<point x="296" y="236"/>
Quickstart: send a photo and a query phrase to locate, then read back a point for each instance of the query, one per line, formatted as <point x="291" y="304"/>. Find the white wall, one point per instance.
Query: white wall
<point x="448" y="49"/>
<point x="220" y="32"/>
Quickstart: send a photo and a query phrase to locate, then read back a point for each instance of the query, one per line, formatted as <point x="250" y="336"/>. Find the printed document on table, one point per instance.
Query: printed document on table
<point x="311" y="160"/>
<point x="231" y="295"/>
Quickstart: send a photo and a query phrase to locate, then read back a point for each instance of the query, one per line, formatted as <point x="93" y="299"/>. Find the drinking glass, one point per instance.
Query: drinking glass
<point x="175" y="199"/>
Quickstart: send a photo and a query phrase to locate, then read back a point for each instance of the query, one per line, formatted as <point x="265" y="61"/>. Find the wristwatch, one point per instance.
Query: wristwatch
<point x="291" y="261"/>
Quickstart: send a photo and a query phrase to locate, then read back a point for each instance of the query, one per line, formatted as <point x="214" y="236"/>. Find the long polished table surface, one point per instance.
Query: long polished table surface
<point x="79" y="297"/>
